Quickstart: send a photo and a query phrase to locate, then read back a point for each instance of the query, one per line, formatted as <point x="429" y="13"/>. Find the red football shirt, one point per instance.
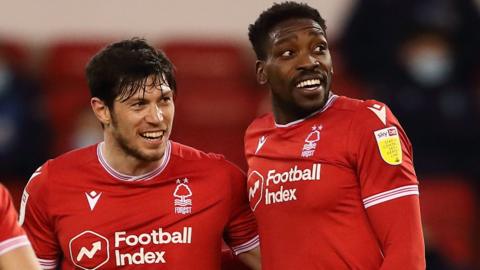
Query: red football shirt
<point x="12" y="235"/>
<point x="312" y="181"/>
<point x="80" y="213"/>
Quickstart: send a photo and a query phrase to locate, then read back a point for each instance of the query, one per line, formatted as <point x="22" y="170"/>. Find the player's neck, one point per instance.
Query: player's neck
<point x="125" y="163"/>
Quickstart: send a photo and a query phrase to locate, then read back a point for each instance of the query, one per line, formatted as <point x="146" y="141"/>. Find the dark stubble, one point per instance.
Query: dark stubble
<point x="129" y="149"/>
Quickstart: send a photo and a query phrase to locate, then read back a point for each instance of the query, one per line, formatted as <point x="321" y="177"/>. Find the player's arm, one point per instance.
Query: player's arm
<point x="397" y="225"/>
<point x="241" y="231"/>
<point x="19" y="258"/>
<point x="251" y="258"/>
<point x="15" y="249"/>
<point x="36" y="221"/>
<point x="389" y="187"/>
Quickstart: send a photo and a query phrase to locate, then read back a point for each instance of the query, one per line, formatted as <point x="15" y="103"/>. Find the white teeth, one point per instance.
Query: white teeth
<point x="153" y="135"/>
<point x="309" y="83"/>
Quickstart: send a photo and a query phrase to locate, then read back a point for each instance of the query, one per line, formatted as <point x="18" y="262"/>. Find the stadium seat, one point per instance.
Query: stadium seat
<point x="65" y="86"/>
<point x="15" y="54"/>
<point x="220" y="60"/>
<point x="217" y="96"/>
<point x="449" y="213"/>
<point x="65" y="61"/>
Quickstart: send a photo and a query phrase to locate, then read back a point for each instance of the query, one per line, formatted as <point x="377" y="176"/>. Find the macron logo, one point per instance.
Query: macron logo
<point x="261" y="142"/>
<point x="380" y="112"/>
<point x="92" y="198"/>
<point x="89" y="253"/>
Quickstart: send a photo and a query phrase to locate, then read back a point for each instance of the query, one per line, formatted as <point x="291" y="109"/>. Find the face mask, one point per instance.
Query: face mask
<point x="430" y="67"/>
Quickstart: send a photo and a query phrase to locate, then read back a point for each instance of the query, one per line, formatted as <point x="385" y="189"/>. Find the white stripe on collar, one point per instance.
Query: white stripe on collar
<point x="132" y="178"/>
<point x="327" y="105"/>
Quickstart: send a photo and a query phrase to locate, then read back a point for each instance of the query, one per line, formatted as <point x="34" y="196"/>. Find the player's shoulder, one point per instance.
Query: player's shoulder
<point x="197" y="158"/>
<point x="190" y="153"/>
<point x="62" y="165"/>
<point x="262" y="122"/>
<point x="353" y="104"/>
<point x="369" y="110"/>
<point x="4" y="195"/>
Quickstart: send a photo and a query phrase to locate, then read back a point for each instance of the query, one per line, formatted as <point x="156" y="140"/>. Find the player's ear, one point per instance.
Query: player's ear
<point x="260" y="72"/>
<point x="101" y="111"/>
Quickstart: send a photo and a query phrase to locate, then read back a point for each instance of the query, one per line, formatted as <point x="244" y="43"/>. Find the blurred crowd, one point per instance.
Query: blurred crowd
<point x="419" y="57"/>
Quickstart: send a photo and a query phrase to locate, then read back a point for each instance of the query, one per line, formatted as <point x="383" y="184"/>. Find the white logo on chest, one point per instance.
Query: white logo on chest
<point x="311" y="141"/>
<point x="93" y="198"/>
<point x="183" y="193"/>
<point x="261" y="142"/>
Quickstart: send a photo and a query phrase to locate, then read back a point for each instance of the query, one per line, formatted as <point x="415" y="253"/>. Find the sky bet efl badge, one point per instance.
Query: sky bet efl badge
<point x="389" y="145"/>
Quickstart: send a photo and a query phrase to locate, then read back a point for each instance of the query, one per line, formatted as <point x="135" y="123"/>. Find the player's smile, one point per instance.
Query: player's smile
<point x="311" y="85"/>
<point x="153" y="137"/>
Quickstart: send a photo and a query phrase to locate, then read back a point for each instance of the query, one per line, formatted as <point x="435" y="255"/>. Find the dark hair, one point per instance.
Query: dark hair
<point x="122" y="68"/>
<point x="268" y="19"/>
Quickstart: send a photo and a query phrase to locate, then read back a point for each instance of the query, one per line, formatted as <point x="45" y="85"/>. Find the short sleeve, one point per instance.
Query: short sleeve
<point x="241" y="232"/>
<point x="382" y="155"/>
<point x="12" y="235"/>
<point x="36" y="221"/>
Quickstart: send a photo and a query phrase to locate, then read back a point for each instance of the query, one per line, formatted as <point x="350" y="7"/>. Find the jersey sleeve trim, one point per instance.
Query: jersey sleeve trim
<point x="249" y="245"/>
<point x="13" y="243"/>
<point x="390" y="195"/>
<point x="47" y="264"/>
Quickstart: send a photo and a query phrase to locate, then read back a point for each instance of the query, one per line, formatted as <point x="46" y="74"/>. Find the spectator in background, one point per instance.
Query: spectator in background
<point x="422" y="66"/>
<point x="23" y="132"/>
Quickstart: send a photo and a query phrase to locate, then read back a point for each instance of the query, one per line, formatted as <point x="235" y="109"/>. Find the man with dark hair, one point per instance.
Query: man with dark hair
<point x="15" y="249"/>
<point x="137" y="199"/>
<point x="331" y="179"/>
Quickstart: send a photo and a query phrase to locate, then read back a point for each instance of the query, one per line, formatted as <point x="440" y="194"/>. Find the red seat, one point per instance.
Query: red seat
<point x="449" y="215"/>
<point x="65" y="61"/>
<point x="217" y="96"/>
<point x="65" y="86"/>
<point x="15" y="54"/>
<point x="221" y="60"/>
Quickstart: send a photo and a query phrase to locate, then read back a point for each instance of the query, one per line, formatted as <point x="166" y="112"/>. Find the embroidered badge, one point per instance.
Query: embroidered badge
<point x="389" y="145"/>
<point x="311" y="141"/>
<point x="182" y="193"/>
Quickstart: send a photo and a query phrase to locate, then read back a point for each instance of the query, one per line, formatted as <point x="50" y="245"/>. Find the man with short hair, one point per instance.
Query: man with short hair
<point x="331" y="179"/>
<point x="137" y="199"/>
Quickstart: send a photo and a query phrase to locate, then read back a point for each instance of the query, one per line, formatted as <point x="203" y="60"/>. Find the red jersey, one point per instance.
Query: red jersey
<point x="312" y="182"/>
<point x="12" y="235"/>
<point x="81" y="213"/>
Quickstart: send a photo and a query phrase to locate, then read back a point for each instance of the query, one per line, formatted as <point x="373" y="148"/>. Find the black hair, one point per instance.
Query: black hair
<point x="122" y="68"/>
<point x="277" y="13"/>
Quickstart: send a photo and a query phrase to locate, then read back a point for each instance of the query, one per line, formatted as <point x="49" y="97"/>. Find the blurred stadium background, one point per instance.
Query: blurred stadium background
<point x="419" y="57"/>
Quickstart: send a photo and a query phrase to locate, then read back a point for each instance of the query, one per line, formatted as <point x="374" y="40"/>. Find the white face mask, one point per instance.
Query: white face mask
<point x="429" y="67"/>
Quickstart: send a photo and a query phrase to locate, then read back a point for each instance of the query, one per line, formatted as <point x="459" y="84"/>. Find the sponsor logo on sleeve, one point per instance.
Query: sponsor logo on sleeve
<point x="388" y="142"/>
<point x="23" y="205"/>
